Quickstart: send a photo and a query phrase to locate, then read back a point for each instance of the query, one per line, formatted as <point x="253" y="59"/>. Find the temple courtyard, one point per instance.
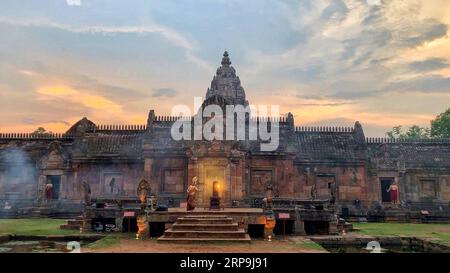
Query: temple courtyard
<point x="49" y="229"/>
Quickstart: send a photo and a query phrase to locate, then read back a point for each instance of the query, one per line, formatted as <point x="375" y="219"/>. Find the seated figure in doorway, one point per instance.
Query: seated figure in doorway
<point x="191" y="192"/>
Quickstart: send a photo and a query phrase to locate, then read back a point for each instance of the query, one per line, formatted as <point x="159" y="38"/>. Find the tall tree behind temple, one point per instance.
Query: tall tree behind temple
<point x="440" y="128"/>
<point x="41" y="131"/>
<point x="413" y="132"/>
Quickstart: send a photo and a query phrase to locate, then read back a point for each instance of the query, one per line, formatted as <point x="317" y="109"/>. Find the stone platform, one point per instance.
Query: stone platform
<point x="241" y="216"/>
<point x="205" y="228"/>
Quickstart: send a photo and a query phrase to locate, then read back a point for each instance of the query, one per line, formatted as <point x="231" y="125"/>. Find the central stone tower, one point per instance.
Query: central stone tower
<point x="226" y="84"/>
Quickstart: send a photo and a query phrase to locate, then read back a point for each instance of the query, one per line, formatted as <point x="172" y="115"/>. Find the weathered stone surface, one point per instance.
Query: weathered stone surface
<point x="112" y="159"/>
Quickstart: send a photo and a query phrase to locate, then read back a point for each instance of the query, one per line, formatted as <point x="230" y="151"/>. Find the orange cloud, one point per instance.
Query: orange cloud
<point x="81" y="97"/>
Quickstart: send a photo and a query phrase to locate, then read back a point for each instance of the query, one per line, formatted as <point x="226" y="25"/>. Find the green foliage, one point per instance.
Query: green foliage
<point x="440" y="127"/>
<point x="435" y="232"/>
<point x="311" y="245"/>
<point x="41" y="131"/>
<point x="105" y="242"/>
<point x="33" y="227"/>
<point x="413" y="132"/>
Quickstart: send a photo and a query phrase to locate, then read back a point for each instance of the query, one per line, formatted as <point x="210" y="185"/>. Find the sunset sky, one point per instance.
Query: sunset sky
<point x="329" y="62"/>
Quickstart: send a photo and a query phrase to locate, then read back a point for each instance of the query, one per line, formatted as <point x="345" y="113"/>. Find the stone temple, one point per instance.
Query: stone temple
<point x="339" y="163"/>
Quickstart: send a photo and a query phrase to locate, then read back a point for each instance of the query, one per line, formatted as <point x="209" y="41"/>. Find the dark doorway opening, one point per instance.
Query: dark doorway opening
<point x="288" y="227"/>
<point x="385" y="183"/>
<point x="316" y="227"/>
<point x="55" y="180"/>
<point x="255" y="231"/>
<point x="157" y="228"/>
<point x="345" y="212"/>
<point x="129" y="224"/>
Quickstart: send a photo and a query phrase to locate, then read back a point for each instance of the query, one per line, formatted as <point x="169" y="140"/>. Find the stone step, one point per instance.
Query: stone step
<point x="70" y="227"/>
<point x="206" y="216"/>
<point x="74" y="222"/>
<point x="170" y="233"/>
<point x="208" y="221"/>
<point x="396" y="219"/>
<point x="205" y="227"/>
<point x="164" y="239"/>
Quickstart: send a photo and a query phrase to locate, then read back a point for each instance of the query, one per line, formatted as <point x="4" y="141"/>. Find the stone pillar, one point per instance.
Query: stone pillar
<point x="332" y="228"/>
<point x="240" y="180"/>
<point x="192" y="171"/>
<point x="41" y="189"/>
<point x="148" y="175"/>
<point x="237" y="177"/>
<point x="227" y="191"/>
<point x="299" y="224"/>
<point x="63" y="190"/>
<point x="299" y="227"/>
<point x="233" y="177"/>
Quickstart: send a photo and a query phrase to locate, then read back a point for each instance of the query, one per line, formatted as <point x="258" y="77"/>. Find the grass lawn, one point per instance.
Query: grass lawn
<point x="34" y="227"/>
<point x="106" y="242"/>
<point x="120" y="242"/>
<point x="438" y="232"/>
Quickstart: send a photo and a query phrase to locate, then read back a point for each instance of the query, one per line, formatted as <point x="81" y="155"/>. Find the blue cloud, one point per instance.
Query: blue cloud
<point x="337" y="10"/>
<point x="428" y="65"/>
<point x="122" y="48"/>
<point x="164" y="92"/>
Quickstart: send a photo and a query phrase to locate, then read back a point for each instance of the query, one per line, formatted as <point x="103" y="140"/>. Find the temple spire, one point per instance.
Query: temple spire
<point x="227" y="84"/>
<point x="226" y="60"/>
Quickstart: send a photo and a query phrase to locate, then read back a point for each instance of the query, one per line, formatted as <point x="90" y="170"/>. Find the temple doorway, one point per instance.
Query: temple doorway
<point x="213" y="184"/>
<point x="385" y="184"/>
<point x="55" y="181"/>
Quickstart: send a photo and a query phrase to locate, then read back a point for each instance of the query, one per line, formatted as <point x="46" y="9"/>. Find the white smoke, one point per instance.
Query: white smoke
<point x="17" y="175"/>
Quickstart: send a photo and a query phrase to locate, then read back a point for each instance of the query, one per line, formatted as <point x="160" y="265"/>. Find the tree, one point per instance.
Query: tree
<point x="440" y="127"/>
<point x="396" y="132"/>
<point x="41" y="131"/>
<point x="413" y="132"/>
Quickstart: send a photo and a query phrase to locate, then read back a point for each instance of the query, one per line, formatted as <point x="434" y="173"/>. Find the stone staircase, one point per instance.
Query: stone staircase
<point x="396" y="215"/>
<point x="73" y="224"/>
<point x="39" y="212"/>
<point x="204" y="228"/>
<point x="344" y="225"/>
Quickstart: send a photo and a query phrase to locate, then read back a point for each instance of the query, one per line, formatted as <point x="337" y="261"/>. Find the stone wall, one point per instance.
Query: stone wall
<point x="125" y="177"/>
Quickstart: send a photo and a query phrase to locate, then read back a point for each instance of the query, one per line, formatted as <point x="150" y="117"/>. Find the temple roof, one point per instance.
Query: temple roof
<point x="81" y="126"/>
<point x="226" y="84"/>
<point x="411" y="154"/>
<point x="328" y="146"/>
<point x="106" y="144"/>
